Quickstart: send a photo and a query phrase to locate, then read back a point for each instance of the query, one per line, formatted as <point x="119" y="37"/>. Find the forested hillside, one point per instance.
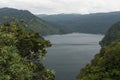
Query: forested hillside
<point x="112" y="34"/>
<point x="21" y="54"/>
<point x="97" y="23"/>
<point x="106" y="64"/>
<point x="34" y="23"/>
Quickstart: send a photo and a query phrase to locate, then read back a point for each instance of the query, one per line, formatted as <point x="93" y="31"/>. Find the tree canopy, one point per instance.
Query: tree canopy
<point x="112" y="34"/>
<point x="105" y="65"/>
<point x="21" y="54"/>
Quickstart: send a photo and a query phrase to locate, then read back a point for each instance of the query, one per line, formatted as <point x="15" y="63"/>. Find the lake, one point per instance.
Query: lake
<point x="70" y="52"/>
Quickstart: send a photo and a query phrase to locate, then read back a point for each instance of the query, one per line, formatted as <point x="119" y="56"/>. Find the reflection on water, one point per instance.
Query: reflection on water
<point x="70" y="52"/>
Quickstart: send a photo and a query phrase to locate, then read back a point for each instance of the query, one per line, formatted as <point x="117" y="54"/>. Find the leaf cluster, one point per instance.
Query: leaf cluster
<point x="21" y="54"/>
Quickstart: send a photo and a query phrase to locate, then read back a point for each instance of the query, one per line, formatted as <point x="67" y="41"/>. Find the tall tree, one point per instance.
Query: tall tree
<point x="21" y="53"/>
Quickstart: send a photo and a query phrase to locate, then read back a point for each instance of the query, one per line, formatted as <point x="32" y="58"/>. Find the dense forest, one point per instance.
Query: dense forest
<point x="21" y="54"/>
<point x="22" y="48"/>
<point x="97" y="23"/>
<point x="112" y="34"/>
<point x="34" y="23"/>
<point x="106" y="64"/>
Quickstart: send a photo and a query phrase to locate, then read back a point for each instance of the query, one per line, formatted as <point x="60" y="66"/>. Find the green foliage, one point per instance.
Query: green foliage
<point x="33" y="23"/>
<point x="21" y="53"/>
<point x="112" y="34"/>
<point x="105" y="65"/>
<point x="13" y="65"/>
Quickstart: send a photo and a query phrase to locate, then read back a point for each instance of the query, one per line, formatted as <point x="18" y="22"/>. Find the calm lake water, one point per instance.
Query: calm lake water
<point x="70" y="52"/>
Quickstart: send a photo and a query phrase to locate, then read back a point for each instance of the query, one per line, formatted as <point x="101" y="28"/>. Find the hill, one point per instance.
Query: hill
<point x="112" y="34"/>
<point x="106" y="64"/>
<point x="35" y="24"/>
<point x="97" y="23"/>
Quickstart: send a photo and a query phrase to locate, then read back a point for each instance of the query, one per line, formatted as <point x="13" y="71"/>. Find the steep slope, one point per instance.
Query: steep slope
<point x="106" y="64"/>
<point x="88" y="23"/>
<point x="112" y="34"/>
<point x="22" y="53"/>
<point x="35" y="24"/>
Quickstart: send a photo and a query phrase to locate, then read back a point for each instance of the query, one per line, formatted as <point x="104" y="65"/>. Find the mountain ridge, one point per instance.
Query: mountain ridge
<point x="35" y="24"/>
<point x="97" y="23"/>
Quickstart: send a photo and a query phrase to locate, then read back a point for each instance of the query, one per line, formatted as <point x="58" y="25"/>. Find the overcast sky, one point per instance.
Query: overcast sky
<point x="63" y="6"/>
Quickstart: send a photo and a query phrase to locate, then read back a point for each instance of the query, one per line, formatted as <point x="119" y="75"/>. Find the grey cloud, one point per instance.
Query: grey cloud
<point x="63" y="6"/>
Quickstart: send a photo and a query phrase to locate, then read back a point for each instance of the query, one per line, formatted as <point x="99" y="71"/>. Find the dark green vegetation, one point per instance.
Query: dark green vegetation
<point x="34" y="23"/>
<point x="112" y="34"/>
<point x="97" y="23"/>
<point x="106" y="64"/>
<point x="21" y="54"/>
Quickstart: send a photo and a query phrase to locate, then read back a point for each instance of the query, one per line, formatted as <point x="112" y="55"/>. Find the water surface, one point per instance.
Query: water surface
<point x="70" y="52"/>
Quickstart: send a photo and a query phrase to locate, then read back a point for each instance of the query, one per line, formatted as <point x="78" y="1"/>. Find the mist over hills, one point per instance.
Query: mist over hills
<point x="97" y="23"/>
